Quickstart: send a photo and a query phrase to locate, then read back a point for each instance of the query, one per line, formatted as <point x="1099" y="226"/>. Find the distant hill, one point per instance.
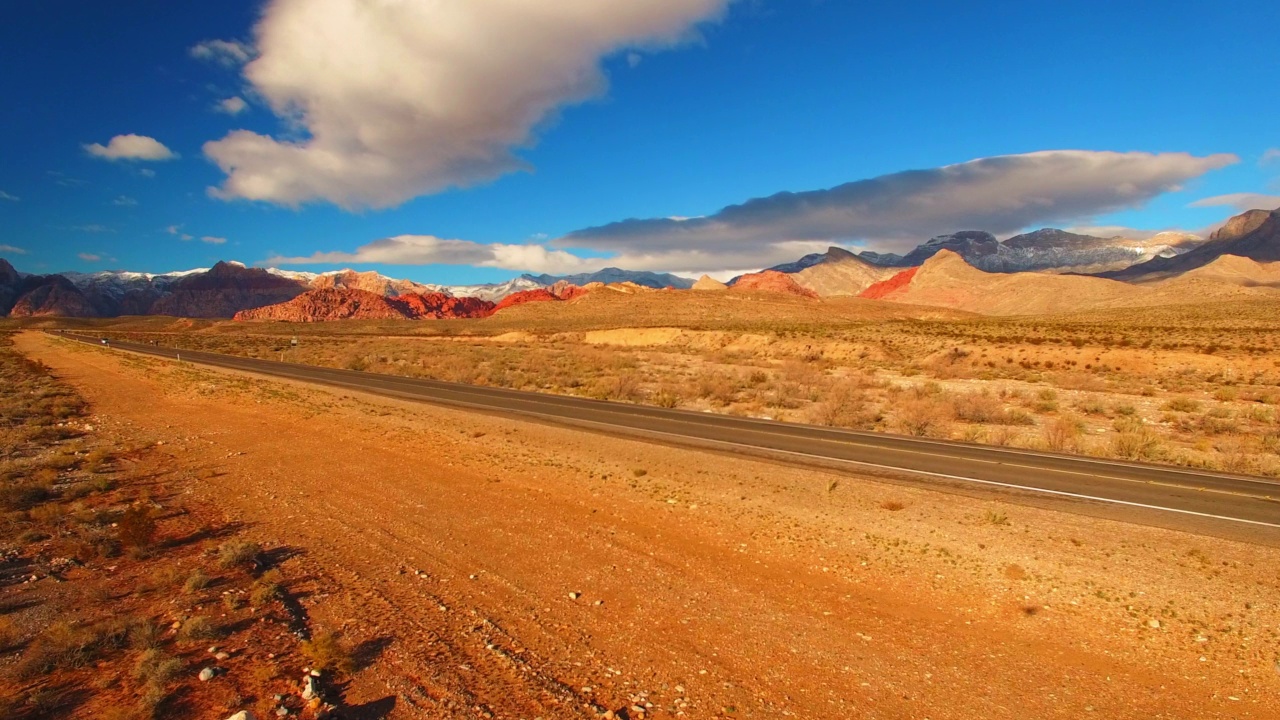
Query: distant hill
<point x="946" y="280"/>
<point x="611" y="275"/>
<point x="1254" y="235"/>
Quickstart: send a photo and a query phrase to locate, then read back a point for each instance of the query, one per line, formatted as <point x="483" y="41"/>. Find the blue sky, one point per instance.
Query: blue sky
<point x="515" y="145"/>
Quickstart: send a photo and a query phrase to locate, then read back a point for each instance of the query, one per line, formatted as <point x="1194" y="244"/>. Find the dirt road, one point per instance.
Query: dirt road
<point x="513" y="570"/>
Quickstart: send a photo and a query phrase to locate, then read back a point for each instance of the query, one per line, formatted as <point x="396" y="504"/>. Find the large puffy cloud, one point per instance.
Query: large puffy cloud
<point x="1241" y="201"/>
<point x="1002" y="195"/>
<point x="131" y="147"/>
<point x="398" y="99"/>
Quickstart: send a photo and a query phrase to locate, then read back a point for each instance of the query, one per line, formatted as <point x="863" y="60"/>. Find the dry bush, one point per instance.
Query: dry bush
<point x="65" y="645"/>
<point x="892" y="505"/>
<point x="925" y="417"/>
<point x="196" y="581"/>
<point x="239" y="553"/>
<point x="327" y="651"/>
<point x="199" y="627"/>
<point x="266" y="589"/>
<point x="1182" y="404"/>
<point x="1139" y="444"/>
<point x="156" y="667"/>
<point x="1062" y="434"/>
<point x="845" y="405"/>
<point x="136" y="527"/>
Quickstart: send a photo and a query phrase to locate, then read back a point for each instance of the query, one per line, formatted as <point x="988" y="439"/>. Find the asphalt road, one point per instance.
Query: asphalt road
<point x="1185" y="498"/>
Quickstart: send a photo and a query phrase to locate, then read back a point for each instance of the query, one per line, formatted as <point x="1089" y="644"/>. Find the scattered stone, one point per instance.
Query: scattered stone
<point x="282" y="711"/>
<point x="243" y="715"/>
<point x="310" y="688"/>
<point x="222" y="655"/>
<point x="574" y="595"/>
<point x="207" y="674"/>
<point x="1153" y="624"/>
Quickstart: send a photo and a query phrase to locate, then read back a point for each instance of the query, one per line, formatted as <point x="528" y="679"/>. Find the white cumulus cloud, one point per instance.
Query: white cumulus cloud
<point x="399" y="99"/>
<point x="131" y="147"/>
<point x="231" y="105"/>
<point x="228" y="53"/>
<point x="1241" y="201"/>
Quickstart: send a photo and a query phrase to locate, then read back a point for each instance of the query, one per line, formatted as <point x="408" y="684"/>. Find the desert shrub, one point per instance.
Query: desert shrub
<point x="198" y="627"/>
<point x="145" y="635"/>
<point x="156" y="668"/>
<point x="924" y="418"/>
<point x="1226" y="394"/>
<point x="1140" y="444"/>
<point x="65" y="645"/>
<point x="267" y="588"/>
<point x="238" y="553"/>
<point x="196" y="581"/>
<point x="995" y="518"/>
<point x="23" y="495"/>
<point x="1182" y="404"/>
<point x="1062" y="434"/>
<point x="666" y="398"/>
<point x="327" y="651"/>
<point x="844" y="406"/>
<point x="136" y="527"/>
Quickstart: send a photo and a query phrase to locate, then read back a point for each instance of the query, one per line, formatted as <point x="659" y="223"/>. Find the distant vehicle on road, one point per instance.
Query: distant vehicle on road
<point x="104" y="341"/>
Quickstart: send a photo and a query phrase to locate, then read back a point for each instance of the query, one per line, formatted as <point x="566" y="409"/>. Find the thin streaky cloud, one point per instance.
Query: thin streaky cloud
<point x="11" y="198"/>
<point x="12" y="249"/>
<point x="1240" y="201"/>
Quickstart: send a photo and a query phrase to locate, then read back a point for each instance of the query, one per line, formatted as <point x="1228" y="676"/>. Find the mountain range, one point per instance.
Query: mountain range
<point x="230" y="289"/>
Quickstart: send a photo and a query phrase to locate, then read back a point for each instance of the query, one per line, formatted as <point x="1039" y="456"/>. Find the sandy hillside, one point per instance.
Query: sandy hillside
<point x="513" y="570"/>
<point x="686" y="308"/>
<point x="1228" y="270"/>
<point x="845" y="274"/>
<point x="946" y="280"/>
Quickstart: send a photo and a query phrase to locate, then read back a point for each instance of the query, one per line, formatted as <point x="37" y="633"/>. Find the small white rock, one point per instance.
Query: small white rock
<point x="206" y="674"/>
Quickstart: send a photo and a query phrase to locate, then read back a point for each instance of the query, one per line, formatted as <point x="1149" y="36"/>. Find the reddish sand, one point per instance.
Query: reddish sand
<point x="516" y="570"/>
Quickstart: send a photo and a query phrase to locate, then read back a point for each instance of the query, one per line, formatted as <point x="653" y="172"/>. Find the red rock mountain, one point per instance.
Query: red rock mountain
<point x="39" y="295"/>
<point x="772" y="281"/>
<point x="328" y="304"/>
<point x="884" y="288"/>
<point x="223" y="291"/>
<point x="559" y="292"/>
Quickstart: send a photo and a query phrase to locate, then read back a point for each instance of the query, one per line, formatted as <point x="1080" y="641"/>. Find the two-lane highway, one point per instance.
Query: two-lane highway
<point x="1192" y="495"/>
